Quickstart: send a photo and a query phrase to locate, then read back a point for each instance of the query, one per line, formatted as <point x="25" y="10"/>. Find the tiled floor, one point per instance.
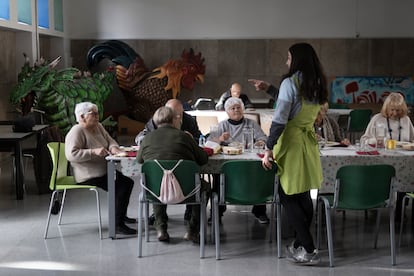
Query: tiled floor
<point x="75" y="249"/>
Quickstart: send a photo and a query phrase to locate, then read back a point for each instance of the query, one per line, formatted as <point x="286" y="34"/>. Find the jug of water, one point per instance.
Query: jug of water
<point x="248" y="139"/>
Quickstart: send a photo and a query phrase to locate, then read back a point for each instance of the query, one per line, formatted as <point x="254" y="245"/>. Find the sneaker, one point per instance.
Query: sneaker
<point x="305" y="258"/>
<point x="291" y="250"/>
<point x="262" y="218"/>
<point x="190" y="236"/>
<point x="162" y="236"/>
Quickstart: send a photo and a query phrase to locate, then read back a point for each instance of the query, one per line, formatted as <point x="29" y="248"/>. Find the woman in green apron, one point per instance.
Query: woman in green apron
<point x="293" y="146"/>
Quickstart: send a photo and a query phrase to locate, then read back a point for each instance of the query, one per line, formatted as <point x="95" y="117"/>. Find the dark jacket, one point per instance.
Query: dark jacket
<point x="169" y="143"/>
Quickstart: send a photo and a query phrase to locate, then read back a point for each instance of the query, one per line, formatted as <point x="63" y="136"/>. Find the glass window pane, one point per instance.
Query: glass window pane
<point x="43" y="13"/>
<point x="5" y="9"/>
<point x="24" y="11"/>
<point x="58" y="15"/>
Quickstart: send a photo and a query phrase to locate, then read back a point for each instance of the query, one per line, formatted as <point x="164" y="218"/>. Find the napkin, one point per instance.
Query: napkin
<point x="132" y="153"/>
<point x="209" y="151"/>
<point x="372" y="152"/>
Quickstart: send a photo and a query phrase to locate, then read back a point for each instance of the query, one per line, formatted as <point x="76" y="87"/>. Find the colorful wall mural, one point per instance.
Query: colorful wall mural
<point x="370" y="89"/>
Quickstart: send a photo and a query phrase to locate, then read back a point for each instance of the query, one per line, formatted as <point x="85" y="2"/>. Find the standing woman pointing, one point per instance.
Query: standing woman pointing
<point x="292" y="145"/>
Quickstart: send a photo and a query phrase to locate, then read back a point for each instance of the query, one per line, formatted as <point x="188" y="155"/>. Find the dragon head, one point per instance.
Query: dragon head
<point x="31" y="82"/>
<point x="182" y="73"/>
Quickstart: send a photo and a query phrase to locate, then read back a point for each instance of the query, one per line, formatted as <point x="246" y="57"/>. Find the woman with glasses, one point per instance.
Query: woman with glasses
<point x="86" y="146"/>
<point x="394" y="119"/>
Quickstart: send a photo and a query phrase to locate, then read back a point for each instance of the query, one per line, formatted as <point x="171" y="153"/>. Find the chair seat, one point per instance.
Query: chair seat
<point x="60" y="181"/>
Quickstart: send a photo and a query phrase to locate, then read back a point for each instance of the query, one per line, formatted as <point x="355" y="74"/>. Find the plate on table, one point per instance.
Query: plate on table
<point x="232" y="150"/>
<point x="406" y="146"/>
<point x="331" y="144"/>
<point x="131" y="148"/>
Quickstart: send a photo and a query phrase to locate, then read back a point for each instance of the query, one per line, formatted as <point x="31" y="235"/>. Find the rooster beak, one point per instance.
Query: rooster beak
<point x="200" y="78"/>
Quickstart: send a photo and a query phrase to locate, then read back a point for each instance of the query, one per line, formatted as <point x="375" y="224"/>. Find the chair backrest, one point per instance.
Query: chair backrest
<point x="59" y="161"/>
<point x="253" y="116"/>
<point x="205" y="122"/>
<point x="245" y="182"/>
<point x="187" y="173"/>
<point x="204" y="104"/>
<point x="359" y="119"/>
<point x="360" y="187"/>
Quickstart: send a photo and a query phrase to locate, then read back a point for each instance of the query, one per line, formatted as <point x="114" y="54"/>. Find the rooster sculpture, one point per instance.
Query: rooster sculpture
<point x="146" y="90"/>
<point x="56" y="92"/>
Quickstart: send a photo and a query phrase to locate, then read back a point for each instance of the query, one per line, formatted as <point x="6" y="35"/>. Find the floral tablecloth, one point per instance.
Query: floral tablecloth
<point x="331" y="159"/>
<point x="334" y="158"/>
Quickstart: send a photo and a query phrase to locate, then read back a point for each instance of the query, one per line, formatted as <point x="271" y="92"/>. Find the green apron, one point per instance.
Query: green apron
<point x="297" y="154"/>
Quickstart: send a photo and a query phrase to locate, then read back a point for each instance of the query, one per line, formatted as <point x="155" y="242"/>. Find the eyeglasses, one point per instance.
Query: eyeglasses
<point x="91" y="112"/>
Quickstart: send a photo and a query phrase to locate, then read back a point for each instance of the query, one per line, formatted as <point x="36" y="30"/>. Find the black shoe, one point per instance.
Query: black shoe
<point x="129" y="220"/>
<point x="262" y="218"/>
<point x="187" y="214"/>
<point x="55" y="207"/>
<point x="123" y="229"/>
<point x="151" y="219"/>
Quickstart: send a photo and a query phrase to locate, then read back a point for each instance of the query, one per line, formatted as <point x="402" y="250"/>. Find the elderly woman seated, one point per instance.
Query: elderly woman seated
<point x="231" y="131"/>
<point x="327" y="128"/>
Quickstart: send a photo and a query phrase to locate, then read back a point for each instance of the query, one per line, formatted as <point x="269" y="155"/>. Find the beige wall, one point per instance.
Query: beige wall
<point x="237" y="60"/>
<point x="228" y="61"/>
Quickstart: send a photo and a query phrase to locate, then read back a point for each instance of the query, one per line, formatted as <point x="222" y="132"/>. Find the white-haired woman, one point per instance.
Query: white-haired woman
<point x="86" y="145"/>
<point x="231" y="130"/>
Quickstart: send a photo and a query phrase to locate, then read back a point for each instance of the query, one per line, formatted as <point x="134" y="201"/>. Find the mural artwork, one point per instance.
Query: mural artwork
<point x="347" y="90"/>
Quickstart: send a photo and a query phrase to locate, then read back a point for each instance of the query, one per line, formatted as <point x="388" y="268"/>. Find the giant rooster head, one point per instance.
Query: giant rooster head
<point x="185" y="72"/>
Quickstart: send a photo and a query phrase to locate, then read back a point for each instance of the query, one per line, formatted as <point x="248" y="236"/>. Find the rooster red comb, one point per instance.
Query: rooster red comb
<point x="190" y="57"/>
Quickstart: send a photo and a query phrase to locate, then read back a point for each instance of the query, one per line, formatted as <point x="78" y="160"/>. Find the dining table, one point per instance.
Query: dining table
<point x="331" y="157"/>
<point x="12" y="141"/>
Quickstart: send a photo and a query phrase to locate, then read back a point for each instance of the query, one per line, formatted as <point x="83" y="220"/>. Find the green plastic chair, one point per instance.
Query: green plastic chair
<point x="245" y="182"/>
<point x="187" y="174"/>
<point x="360" y="187"/>
<point x="358" y="121"/>
<point x="408" y="197"/>
<point x="338" y="106"/>
<point x="61" y="181"/>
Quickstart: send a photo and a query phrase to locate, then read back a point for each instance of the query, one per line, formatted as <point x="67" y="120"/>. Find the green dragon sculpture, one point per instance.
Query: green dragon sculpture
<point x="56" y="92"/>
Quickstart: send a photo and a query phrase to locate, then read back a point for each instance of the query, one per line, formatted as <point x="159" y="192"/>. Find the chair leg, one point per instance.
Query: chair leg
<point x="61" y="207"/>
<point x="329" y="231"/>
<point x="279" y="229"/>
<point x="98" y="208"/>
<point x="392" y="236"/>
<point x="377" y="227"/>
<point x="140" y="213"/>
<point x="272" y="216"/>
<point x="52" y="199"/>
<point x="146" y="216"/>
<point x="216" y="224"/>
<point x="202" y="224"/>
<point x="405" y="198"/>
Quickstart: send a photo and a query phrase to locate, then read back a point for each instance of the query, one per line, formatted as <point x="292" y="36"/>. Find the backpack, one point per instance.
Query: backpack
<point x="170" y="190"/>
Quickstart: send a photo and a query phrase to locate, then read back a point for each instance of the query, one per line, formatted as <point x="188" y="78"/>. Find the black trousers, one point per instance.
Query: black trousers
<point x="123" y="189"/>
<point x="299" y="211"/>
